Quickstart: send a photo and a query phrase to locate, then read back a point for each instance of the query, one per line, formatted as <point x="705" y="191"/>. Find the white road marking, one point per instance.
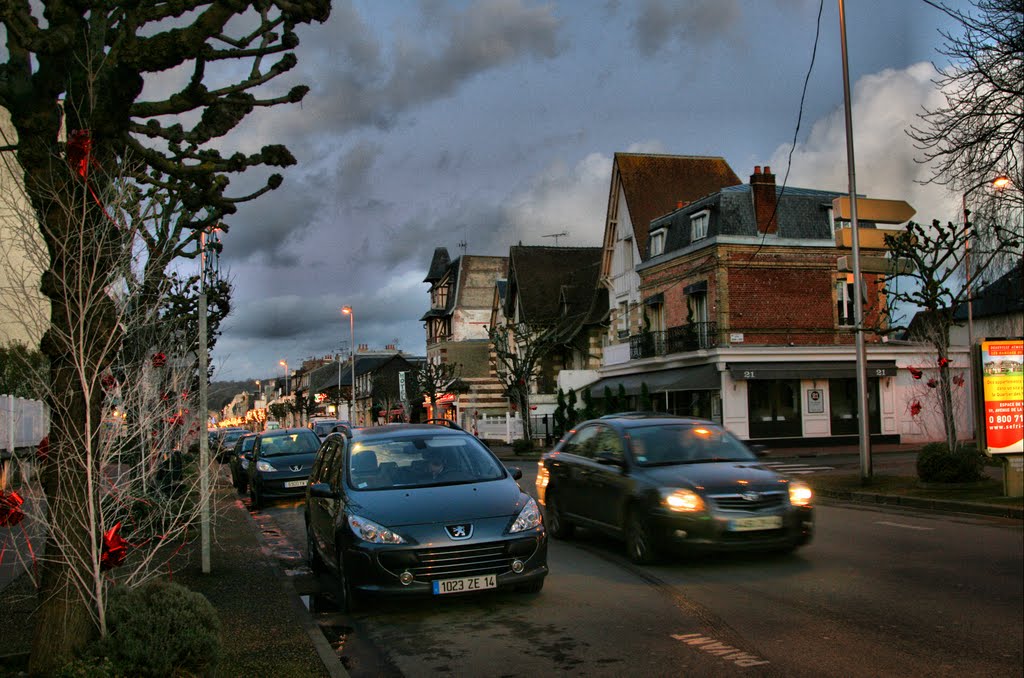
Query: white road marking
<point x="726" y="652"/>
<point x="908" y="527"/>
<point x="796" y="469"/>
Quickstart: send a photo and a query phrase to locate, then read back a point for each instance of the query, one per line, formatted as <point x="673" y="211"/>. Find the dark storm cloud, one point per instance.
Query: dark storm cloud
<point x="279" y="317"/>
<point x="356" y="87"/>
<point x="701" y="22"/>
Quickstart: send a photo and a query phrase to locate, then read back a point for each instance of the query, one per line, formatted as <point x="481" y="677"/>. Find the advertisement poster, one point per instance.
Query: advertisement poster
<point x="1002" y="365"/>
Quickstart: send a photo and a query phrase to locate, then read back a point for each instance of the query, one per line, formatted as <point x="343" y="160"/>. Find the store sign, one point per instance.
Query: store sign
<point x="320" y="397"/>
<point x="1002" y="369"/>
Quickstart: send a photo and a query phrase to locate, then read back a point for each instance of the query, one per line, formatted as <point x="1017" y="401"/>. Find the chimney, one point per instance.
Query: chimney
<point x="762" y="190"/>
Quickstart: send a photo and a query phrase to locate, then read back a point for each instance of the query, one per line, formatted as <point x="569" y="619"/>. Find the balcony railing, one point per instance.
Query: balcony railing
<point x="680" y="339"/>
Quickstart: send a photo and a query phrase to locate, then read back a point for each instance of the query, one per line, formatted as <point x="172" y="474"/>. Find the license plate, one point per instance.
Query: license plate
<point x="295" y="483"/>
<point x="760" y="523"/>
<point x="465" y="584"/>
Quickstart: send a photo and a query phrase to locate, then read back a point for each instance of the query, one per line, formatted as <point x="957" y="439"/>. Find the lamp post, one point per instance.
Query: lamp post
<point x="347" y="310"/>
<point x="998" y="183"/>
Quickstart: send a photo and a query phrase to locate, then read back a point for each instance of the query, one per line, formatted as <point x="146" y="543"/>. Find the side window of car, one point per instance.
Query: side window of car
<point x="320" y="463"/>
<point x="334" y="472"/>
<point x="582" y="444"/>
<point x="607" y="441"/>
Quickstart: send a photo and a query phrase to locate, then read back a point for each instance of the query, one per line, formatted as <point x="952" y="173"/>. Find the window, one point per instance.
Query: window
<point x="582" y="444"/>
<point x="699" y="226"/>
<point x="627" y="255"/>
<point x="657" y="244"/>
<point x="623" y="319"/>
<point x="699" y="304"/>
<point x="843" y="405"/>
<point x="844" y="301"/>
<point x="773" y="408"/>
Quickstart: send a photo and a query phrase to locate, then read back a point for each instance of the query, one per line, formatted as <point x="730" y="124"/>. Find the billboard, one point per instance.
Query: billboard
<point x="1002" y="371"/>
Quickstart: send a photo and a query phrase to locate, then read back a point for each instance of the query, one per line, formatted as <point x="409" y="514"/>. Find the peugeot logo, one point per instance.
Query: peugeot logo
<point x="459" y="532"/>
<point x="751" y="496"/>
<point x="296" y="468"/>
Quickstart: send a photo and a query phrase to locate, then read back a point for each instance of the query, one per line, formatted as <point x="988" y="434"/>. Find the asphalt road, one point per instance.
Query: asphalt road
<point x="879" y="592"/>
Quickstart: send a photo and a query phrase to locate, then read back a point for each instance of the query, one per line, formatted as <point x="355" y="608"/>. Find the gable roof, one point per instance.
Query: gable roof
<point x="543" y="279"/>
<point x="1002" y="296"/>
<point x="653" y="185"/>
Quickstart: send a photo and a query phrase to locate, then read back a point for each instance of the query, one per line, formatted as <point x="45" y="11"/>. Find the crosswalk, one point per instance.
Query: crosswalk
<point x="796" y="469"/>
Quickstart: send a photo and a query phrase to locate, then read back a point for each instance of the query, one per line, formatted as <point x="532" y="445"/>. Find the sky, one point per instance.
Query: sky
<point x="477" y="125"/>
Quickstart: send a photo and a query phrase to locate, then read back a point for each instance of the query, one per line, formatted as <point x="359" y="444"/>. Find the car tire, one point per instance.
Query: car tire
<point x="315" y="563"/>
<point x="640" y="544"/>
<point x="534" y="586"/>
<point x="342" y="589"/>
<point x="256" y="497"/>
<point x="557" y="525"/>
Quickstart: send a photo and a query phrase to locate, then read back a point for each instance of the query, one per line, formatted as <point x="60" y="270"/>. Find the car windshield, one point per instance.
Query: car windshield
<point x="685" y="443"/>
<point x="233" y="436"/>
<point x="294" y="442"/>
<point x="421" y="461"/>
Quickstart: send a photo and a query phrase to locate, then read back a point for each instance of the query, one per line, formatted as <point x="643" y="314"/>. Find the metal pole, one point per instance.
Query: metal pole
<point x="352" y="340"/>
<point x="337" y="414"/>
<point x="204" y="438"/>
<point x="967" y="267"/>
<point x="863" y="420"/>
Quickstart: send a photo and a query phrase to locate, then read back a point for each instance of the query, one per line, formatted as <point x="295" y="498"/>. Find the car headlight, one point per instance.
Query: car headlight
<point x="265" y="467"/>
<point x="367" y="530"/>
<point x="528" y="518"/>
<point x="800" y="494"/>
<point x="683" y="501"/>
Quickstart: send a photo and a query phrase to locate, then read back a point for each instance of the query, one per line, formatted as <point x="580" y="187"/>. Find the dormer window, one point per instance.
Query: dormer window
<point x="699" y="226"/>
<point x="657" y="244"/>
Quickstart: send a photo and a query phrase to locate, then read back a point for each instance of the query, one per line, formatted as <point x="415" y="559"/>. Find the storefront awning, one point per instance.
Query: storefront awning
<point x="697" y="378"/>
<point x="809" y="370"/>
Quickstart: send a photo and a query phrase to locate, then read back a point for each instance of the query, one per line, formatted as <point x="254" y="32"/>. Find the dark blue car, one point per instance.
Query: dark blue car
<point x="281" y="463"/>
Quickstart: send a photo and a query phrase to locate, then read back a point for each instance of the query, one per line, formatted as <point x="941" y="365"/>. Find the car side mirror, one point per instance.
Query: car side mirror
<point x="609" y="459"/>
<point x="516" y="472"/>
<point x="322" y="491"/>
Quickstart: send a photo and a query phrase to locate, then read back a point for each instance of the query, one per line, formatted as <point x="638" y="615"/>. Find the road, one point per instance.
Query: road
<point x="879" y="592"/>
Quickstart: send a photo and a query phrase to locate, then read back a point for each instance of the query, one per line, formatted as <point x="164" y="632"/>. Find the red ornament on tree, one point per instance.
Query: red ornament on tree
<point x="958" y="380"/>
<point x="915" y="408"/>
<point x="79" y="147"/>
<point x="43" y="448"/>
<point x="108" y="382"/>
<point x="10" y="508"/>
<point x="915" y="373"/>
<point x="159" y="359"/>
<point x="943" y="362"/>
<point x="932" y="383"/>
<point x="115" y="548"/>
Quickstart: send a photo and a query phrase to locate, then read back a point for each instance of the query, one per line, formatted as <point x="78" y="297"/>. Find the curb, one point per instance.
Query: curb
<point x="938" y="505"/>
<point x="330" y="660"/>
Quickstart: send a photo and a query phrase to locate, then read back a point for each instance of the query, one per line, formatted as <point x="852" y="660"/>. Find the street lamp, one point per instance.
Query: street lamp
<point x="284" y="364"/>
<point x="347" y="310"/>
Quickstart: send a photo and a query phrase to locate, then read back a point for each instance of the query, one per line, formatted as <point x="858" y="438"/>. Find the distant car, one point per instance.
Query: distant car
<point x="323" y="427"/>
<point x="241" y="455"/>
<point x="670" y="483"/>
<point x="226" y="440"/>
<point x="420" y="509"/>
<point x="281" y="463"/>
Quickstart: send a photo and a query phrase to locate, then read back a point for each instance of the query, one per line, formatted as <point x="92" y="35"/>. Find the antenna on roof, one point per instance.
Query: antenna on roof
<point x="462" y="245"/>
<point x="556" y="236"/>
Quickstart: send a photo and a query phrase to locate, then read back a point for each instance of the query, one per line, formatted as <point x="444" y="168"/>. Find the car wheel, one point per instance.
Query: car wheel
<point x="640" y="546"/>
<point x="315" y="563"/>
<point x="558" y="526"/>
<point x="256" y="497"/>
<point x="534" y="586"/>
<point x="342" y="589"/>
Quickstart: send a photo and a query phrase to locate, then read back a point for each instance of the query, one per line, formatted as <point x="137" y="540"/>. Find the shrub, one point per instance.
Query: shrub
<point x="522" y="446"/>
<point x="936" y="464"/>
<point x="160" y="629"/>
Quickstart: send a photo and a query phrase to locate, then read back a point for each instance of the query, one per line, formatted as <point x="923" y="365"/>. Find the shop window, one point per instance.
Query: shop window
<point x="842" y="395"/>
<point x="773" y="407"/>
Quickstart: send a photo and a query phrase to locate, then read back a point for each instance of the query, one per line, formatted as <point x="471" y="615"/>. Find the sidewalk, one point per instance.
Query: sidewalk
<point x="265" y="628"/>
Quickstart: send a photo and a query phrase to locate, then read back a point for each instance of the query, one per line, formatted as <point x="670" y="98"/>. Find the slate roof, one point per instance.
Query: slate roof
<point x="542" y="278"/>
<point x="1002" y="296"/>
<point x="654" y="184"/>
<point x="326" y="376"/>
<point x="801" y="213"/>
<point x="439" y="263"/>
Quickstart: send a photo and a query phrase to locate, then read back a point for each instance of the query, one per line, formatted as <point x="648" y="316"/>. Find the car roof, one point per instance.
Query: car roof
<point x="634" y="420"/>
<point x="392" y="430"/>
<point x="286" y="431"/>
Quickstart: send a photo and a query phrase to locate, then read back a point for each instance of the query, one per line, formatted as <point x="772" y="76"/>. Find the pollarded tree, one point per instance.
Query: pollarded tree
<point x="432" y="380"/>
<point x="73" y="84"/>
<point x="935" y="286"/>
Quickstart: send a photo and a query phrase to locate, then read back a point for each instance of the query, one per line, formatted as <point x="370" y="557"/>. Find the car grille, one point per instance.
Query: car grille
<point x="461" y="561"/>
<point x="736" y="502"/>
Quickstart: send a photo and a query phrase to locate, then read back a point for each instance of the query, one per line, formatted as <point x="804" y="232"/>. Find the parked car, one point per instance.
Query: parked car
<point x="670" y="483"/>
<point x="420" y="509"/>
<point x="241" y="455"/>
<point x="226" y="440"/>
<point x="323" y="427"/>
<point x="281" y="463"/>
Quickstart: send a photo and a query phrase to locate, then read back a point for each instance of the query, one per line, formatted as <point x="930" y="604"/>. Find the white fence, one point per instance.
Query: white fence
<point x="497" y="427"/>
<point x="23" y="423"/>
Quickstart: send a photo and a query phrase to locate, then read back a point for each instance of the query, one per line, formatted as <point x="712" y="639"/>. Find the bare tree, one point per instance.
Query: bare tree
<point x="433" y="379"/>
<point x="95" y="158"/>
<point x="519" y="348"/>
<point x="978" y="134"/>
<point x="933" y="285"/>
